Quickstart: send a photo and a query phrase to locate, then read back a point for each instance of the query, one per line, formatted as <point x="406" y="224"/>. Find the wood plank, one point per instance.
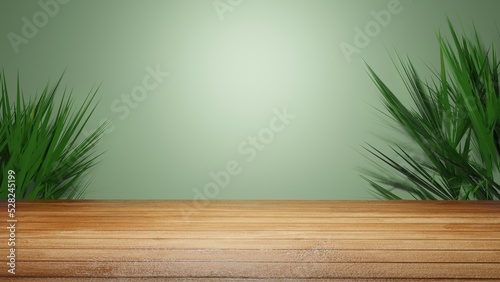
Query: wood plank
<point x="341" y="208"/>
<point x="353" y="208"/>
<point x="149" y="279"/>
<point x="284" y="244"/>
<point x="255" y="241"/>
<point x="261" y="234"/>
<point x="235" y="226"/>
<point x="159" y="219"/>
<point x="263" y="255"/>
<point x="259" y="270"/>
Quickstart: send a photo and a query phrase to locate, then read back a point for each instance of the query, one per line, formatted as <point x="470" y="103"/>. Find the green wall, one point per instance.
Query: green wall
<point x="191" y="90"/>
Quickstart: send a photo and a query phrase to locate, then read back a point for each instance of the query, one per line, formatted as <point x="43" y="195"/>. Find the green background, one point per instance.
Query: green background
<point x="226" y="77"/>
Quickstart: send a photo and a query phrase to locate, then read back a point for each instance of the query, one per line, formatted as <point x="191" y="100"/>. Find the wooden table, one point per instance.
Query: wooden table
<point x="253" y="240"/>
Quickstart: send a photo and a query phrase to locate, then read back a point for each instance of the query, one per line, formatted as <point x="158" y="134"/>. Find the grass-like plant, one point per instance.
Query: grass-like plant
<point x="455" y="124"/>
<point x="40" y="141"/>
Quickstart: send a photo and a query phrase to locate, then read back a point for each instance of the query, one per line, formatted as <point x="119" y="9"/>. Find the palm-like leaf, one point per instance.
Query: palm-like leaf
<point x="42" y="145"/>
<point x="456" y="125"/>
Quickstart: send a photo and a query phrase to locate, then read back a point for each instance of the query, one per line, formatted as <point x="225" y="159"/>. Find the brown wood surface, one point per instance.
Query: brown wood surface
<point x="254" y="241"/>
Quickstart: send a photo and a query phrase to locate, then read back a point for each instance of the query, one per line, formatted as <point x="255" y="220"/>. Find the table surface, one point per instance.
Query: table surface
<point x="254" y="240"/>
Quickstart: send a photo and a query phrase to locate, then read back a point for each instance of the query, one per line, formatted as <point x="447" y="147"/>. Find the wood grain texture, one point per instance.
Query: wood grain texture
<point x="254" y="241"/>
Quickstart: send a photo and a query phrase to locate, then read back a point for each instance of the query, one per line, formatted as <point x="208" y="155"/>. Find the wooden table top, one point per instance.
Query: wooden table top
<point x="253" y="240"/>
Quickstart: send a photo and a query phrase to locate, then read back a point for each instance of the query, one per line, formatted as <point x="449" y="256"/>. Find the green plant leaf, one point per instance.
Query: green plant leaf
<point x="39" y="140"/>
<point x="455" y="125"/>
